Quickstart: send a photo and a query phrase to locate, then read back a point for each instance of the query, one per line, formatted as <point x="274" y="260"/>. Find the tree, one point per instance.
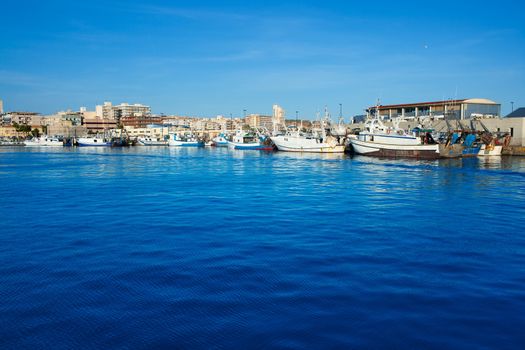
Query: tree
<point x="35" y="132"/>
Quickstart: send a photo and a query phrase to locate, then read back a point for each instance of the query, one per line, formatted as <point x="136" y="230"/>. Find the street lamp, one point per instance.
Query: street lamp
<point x="340" y="110"/>
<point x="244" y="111"/>
<point x="512" y="105"/>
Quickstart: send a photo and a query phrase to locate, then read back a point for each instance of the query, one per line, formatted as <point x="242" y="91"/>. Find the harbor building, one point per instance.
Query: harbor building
<point x="452" y="109"/>
<point x="518" y="113"/>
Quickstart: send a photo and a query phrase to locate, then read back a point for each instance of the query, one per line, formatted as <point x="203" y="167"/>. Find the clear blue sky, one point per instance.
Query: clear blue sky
<point x="220" y="57"/>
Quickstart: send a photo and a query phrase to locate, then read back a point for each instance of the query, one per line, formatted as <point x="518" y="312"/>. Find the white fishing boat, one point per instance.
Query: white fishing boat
<point x="94" y="141"/>
<point x="307" y="143"/>
<point x="188" y="140"/>
<point x="243" y="140"/>
<point x="381" y="141"/>
<point x="151" y="141"/>
<point x="44" y="141"/>
<point x="319" y="141"/>
<point x="220" y="141"/>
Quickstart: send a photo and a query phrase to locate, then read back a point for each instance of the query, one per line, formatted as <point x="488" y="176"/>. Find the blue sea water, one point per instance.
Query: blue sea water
<point x="209" y="248"/>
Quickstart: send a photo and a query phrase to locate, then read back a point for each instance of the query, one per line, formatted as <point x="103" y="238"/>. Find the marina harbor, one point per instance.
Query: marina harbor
<point x="431" y="130"/>
<point x="240" y="175"/>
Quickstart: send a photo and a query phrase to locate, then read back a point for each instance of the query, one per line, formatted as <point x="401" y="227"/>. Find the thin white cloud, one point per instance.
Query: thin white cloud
<point x="192" y="13"/>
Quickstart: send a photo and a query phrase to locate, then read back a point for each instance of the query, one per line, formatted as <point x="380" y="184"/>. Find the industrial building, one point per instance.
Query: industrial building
<point x="452" y="109"/>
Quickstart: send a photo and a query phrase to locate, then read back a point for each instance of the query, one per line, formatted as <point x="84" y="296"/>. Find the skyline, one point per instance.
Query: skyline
<point x="210" y="59"/>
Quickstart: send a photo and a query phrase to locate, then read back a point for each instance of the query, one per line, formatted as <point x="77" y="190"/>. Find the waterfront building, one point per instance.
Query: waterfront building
<point x="9" y="131"/>
<point x="94" y="124"/>
<point x="259" y="121"/>
<point x="155" y="131"/>
<point x="24" y="118"/>
<point x="116" y="112"/>
<point x="518" y="113"/>
<point x="140" y="121"/>
<point x="452" y="109"/>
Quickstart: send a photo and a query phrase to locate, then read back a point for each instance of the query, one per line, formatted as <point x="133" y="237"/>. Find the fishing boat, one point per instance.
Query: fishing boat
<point x="381" y="141"/>
<point x="151" y="141"/>
<point x="94" y="141"/>
<point x="44" y="141"/>
<point x="299" y="142"/>
<point x="460" y="144"/>
<point x="318" y="141"/>
<point x="220" y="141"/>
<point x="188" y="140"/>
<point x="243" y="140"/>
<point x="492" y="143"/>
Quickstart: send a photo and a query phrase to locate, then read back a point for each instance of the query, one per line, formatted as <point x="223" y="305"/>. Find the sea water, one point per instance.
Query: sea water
<point x="210" y="248"/>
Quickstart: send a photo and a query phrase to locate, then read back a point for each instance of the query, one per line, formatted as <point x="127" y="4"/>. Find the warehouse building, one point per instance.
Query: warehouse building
<point x="452" y="109"/>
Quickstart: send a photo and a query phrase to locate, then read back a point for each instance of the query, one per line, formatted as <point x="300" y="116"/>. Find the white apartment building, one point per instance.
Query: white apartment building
<point x="115" y="112"/>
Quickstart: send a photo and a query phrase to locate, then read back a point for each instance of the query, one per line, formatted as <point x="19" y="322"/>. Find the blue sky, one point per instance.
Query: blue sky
<point x="219" y="57"/>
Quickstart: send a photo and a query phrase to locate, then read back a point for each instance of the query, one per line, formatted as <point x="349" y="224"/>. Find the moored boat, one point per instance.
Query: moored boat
<point x="184" y="141"/>
<point x="95" y="141"/>
<point x="151" y="141"/>
<point x="44" y="141"/>
<point x="381" y="141"/>
<point x="248" y="141"/>
<point x="296" y="142"/>
<point x="220" y="141"/>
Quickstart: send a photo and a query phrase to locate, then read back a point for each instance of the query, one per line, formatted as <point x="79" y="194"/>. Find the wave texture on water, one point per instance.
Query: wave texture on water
<point x="210" y="248"/>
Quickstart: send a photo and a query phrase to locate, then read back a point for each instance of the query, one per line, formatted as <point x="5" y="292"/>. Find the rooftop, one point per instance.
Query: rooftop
<point x="440" y="103"/>
<point x="518" y="113"/>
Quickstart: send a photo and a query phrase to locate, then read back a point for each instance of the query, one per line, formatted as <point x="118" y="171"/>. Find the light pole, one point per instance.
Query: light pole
<point x="297" y="119"/>
<point x="512" y="105"/>
<point x="244" y="112"/>
<point x="340" y="110"/>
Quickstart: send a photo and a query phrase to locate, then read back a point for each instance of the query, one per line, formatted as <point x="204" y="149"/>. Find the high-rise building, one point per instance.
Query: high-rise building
<point x="278" y="117"/>
<point x="109" y="111"/>
<point x="259" y="121"/>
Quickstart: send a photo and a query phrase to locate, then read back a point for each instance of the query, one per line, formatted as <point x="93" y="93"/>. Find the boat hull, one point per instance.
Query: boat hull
<point x="152" y="143"/>
<point x="294" y="144"/>
<point x="490" y="150"/>
<point x="43" y="143"/>
<point x="395" y="151"/>
<point x="175" y="143"/>
<point x="458" y="151"/>
<point x="87" y="142"/>
<point x="249" y="146"/>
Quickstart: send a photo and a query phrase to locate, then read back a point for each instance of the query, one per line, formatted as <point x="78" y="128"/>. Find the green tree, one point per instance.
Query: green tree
<point x="35" y="132"/>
